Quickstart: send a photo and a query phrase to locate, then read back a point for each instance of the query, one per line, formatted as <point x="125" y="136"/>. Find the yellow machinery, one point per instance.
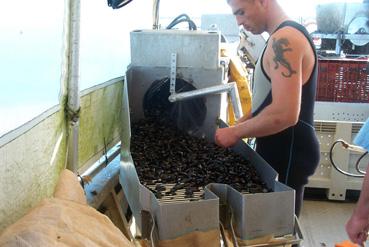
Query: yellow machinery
<point x="238" y="73"/>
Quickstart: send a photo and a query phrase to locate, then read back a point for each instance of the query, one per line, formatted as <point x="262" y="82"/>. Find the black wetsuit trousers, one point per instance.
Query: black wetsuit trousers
<point x="294" y="154"/>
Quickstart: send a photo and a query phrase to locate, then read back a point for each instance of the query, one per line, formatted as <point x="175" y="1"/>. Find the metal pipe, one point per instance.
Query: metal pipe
<point x="72" y="158"/>
<point x="98" y="166"/>
<point x="73" y="102"/>
<point x="199" y="92"/>
<point x="155" y="14"/>
<point x="229" y="87"/>
<point x="235" y="99"/>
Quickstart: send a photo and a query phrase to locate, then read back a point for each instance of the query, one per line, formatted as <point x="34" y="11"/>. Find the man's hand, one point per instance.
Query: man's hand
<point x="357" y="229"/>
<point x="226" y="137"/>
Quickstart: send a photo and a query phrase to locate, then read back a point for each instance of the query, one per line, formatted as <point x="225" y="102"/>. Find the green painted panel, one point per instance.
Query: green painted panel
<point x="30" y="166"/>
<point x="100" y="121"/>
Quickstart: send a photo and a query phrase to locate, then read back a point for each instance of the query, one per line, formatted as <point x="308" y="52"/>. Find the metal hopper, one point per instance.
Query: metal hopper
<point x="199" y="63"/>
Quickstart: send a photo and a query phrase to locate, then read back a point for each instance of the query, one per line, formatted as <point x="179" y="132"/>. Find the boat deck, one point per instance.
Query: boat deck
<point x="323" y="221"/>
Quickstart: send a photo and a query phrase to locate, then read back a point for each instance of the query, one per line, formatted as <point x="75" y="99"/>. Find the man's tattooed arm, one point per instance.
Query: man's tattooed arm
<point x="280" y="46"/>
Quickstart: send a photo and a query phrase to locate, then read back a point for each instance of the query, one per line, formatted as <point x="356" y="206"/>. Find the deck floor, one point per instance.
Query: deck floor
<point x="323" y="222"/>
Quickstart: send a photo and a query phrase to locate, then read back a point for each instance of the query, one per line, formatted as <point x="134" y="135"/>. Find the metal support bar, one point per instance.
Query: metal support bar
<point x="98" y="166"/>
<point x="173" y="73"/>
<point x="223" y="234"/>
<point x="155" y="14"/>
<point x="72" y="152"/>
<point x="338" y="44"/>
<point x="236" y="103"/>
<point x="343" y="36"/>
<point x="73" y="101"/>
<point x="231" y="88"/>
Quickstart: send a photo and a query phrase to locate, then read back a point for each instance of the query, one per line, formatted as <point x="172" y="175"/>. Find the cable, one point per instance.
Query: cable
<point x="174" y="22"/>
<point x="191" y="24"/>
<point x="358" y="162"/>
<point x="339" y="169"/>
<point x="180" y="17"/>
<point x="117" y="4"/>
<point x="183" y="18"/>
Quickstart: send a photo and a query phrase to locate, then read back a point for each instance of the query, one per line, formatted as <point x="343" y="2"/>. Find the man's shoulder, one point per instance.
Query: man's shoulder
<point x="286" y="31"/>
<point x="291" y="25"/>
<point x="288" y="35"/>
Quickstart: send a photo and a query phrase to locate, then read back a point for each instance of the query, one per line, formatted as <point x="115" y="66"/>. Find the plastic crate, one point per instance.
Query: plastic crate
<point x="343" y="80"/>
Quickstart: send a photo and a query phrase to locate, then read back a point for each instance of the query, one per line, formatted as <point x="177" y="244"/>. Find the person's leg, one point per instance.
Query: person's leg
<point x="297" y="179"/>
<point x="299" y="198"/>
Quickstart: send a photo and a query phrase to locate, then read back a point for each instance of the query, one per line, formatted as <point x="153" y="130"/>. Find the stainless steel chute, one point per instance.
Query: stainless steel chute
<point x="198" y="62"/>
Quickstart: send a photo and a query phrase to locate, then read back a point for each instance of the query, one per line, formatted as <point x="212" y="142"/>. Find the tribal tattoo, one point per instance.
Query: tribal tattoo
<point x="279" y="48"/>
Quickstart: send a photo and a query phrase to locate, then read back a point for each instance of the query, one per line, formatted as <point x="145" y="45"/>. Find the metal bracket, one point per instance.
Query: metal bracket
<point x="173" y="73"/>
<point x="231" y="88"/>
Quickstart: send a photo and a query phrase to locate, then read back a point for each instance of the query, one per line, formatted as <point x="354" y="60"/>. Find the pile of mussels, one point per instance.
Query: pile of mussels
<point x="163" y="155"/>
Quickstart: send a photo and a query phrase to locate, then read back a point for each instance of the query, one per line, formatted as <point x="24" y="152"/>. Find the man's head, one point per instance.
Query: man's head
<point x="251" y="14"/>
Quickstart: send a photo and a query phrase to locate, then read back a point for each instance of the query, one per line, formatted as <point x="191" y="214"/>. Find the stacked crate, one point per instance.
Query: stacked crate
<point x="341" y="108"/>
<point x="343" y="80"/>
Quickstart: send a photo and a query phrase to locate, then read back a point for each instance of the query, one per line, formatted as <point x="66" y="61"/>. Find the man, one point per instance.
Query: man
<point x="283" y="95"/>
<point x="358" y="225"/>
